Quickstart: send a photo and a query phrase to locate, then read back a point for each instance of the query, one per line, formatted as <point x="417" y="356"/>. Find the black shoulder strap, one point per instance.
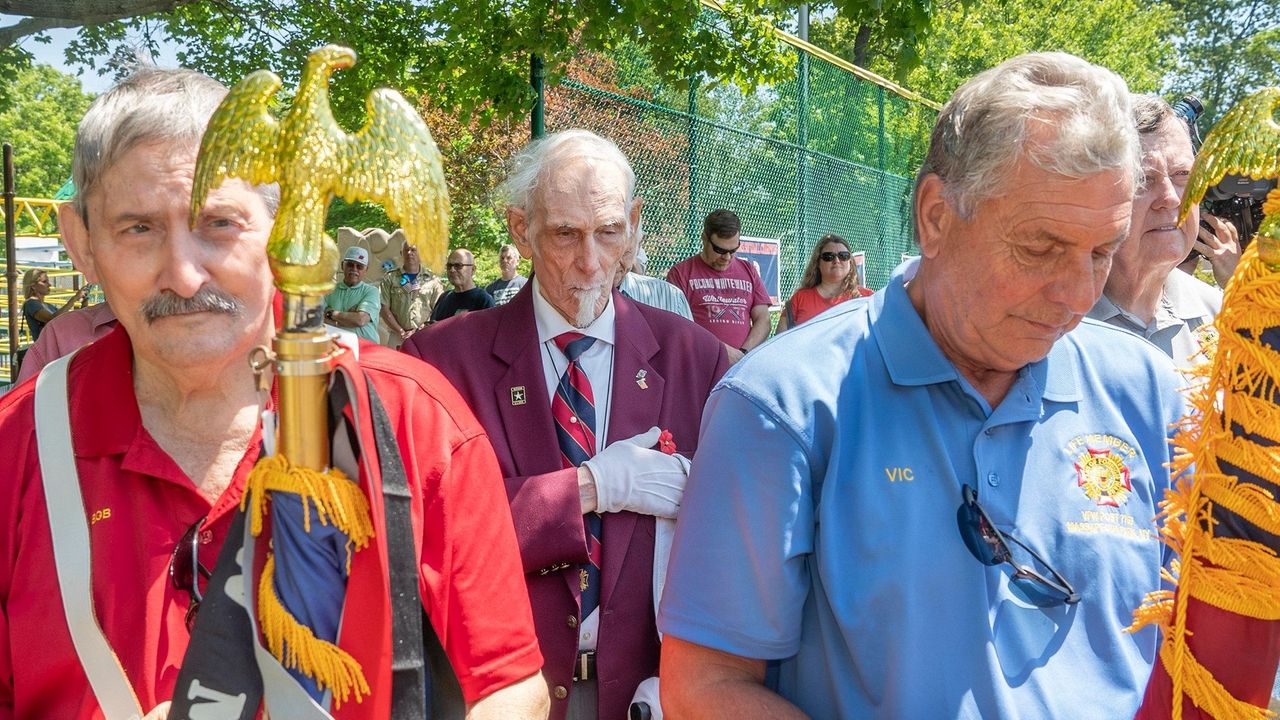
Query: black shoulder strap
<point x="219" y="674"/>
<point x="412" y="689"/>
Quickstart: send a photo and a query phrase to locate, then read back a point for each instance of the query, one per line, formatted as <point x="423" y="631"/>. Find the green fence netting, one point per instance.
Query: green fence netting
<point x="824" y="152"/>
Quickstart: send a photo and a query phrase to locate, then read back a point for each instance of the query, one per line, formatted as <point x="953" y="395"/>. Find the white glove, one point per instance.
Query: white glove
<point x="647" y="693"/>
<point x="629" y="475"/>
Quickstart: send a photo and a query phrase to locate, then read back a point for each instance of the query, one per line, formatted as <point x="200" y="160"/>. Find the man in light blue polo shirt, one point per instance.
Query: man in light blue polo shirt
<point x="839" y="517"/>
<point x="354" y="305"/>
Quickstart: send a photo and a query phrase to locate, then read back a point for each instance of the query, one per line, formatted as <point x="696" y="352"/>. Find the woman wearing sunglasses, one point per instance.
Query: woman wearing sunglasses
<point x="828" y="281"/>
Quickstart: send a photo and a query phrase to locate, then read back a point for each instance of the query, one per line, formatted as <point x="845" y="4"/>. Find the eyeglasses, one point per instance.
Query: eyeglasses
<point x="352" y="264"/>
<point x="1040" y="584"/>
<point x="723" y="251"/>
<point x="831" y="256"/>
<point x="185" y="569"/>
<point x="458" y="266"/>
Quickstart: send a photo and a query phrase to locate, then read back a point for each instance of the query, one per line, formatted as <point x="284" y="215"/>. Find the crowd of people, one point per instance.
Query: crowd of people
<point x="937" y="500"/>
<point x="726" y="292"/>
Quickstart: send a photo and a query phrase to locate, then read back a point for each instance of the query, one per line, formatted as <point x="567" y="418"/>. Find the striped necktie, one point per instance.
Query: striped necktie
<point x="573" y="408"/>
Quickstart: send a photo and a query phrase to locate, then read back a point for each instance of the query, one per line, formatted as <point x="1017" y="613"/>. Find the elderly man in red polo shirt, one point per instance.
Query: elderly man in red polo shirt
<point x="164" y="425"/>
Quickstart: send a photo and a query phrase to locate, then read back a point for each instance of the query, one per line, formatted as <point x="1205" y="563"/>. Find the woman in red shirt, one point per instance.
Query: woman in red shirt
<point x="828" y="281"/>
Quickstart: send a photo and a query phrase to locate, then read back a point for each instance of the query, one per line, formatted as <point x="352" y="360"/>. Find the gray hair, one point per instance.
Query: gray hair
<point x="151" y="105"/>
<point x="988" y="123"/>
<point x="530" y="164"/>
<point x="1150" y="113"/>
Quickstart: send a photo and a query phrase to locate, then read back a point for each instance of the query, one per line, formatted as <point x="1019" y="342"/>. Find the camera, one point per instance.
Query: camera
<point x="1237" y="199"/>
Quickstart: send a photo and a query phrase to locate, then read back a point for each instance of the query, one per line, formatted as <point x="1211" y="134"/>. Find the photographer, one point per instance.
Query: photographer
<point x="1145" y="293"/>
<point x="1219" y="244"/>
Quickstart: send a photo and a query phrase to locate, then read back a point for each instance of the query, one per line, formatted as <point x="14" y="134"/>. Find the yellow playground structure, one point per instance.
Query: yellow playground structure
<point x="36" y="245"/>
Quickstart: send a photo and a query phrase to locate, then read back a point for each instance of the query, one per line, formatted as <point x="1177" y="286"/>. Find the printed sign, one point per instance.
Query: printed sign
<point x="764" y="253"/>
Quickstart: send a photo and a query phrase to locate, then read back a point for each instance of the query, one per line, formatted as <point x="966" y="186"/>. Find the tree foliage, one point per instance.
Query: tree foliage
<point x="13" y="60"/>
<point x="1129" y="36"/>
<point x="475" y="156"/>
<point x="468" y="56"/>
<point x="40" y="123"/>
<point x="1228" y="49"/>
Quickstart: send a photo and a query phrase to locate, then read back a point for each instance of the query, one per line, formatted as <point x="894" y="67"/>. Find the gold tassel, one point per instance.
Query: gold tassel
<point x="1207" y="693"/>
<point x="297" y="647"/>
<point x="1233" y="591"/>
<point x="338" y="502"/>
<point x="1156" y="609"/>
<point x="1234" y="574"/>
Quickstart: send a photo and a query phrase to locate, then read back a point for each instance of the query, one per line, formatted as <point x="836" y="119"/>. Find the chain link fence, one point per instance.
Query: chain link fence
<point x="827" y="151"/>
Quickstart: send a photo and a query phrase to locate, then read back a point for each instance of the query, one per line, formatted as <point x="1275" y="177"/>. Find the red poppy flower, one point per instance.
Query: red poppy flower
<point x="666" y="443"/>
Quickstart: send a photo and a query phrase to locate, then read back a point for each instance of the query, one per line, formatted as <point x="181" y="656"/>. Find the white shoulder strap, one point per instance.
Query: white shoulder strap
<point x="71" y="554"/>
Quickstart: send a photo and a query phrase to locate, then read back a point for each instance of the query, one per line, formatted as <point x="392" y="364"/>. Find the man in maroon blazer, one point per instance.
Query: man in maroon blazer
<point x="572" y="210"/>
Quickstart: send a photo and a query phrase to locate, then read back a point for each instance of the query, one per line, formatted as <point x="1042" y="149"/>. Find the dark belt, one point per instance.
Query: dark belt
<point x="585" y="667"/>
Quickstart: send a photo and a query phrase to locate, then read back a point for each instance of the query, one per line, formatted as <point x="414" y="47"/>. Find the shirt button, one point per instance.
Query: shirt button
<point x="993" y="479"/>
<point x="573" y="621"/>
<point x="586" y="637"/>
<point x="989" y="432"/>
<point x="560" y="692"/>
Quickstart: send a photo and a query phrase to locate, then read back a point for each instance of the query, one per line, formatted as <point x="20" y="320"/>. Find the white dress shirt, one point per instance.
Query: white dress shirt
<point x="597" y="363"/>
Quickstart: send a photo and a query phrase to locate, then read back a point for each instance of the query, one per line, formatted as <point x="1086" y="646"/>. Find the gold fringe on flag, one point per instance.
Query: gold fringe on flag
<point x="338" y="502"/>
<point x="1234" y="574"/>
<point x="297" y="647"/>
<point x="1207" y="693"/>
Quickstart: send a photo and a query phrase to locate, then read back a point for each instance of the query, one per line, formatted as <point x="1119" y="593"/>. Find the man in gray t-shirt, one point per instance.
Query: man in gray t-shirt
<point x="506" y="287"/>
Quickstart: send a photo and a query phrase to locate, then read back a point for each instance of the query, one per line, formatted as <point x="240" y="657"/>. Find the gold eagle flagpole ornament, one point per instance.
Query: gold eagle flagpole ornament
<point x="1222" y="517"/>
<point x="392" y="160"/>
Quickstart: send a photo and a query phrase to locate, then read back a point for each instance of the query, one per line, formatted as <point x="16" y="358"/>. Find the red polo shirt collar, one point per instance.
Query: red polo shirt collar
<point x="106" y="420"/>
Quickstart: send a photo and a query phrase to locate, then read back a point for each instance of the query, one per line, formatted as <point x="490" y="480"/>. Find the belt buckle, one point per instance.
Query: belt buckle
<point x="585" y="666"/>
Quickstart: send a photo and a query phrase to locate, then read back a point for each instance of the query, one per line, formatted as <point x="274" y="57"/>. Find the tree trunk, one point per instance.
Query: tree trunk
<point x="860" y="45"/>
<point x="40" y="15"/>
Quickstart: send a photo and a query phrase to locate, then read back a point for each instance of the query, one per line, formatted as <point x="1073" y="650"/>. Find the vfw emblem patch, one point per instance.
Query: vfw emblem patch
<point x="1102" y="468"/>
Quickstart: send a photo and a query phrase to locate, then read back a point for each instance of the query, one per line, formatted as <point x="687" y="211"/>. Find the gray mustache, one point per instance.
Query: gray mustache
<point x="206" y="299"/>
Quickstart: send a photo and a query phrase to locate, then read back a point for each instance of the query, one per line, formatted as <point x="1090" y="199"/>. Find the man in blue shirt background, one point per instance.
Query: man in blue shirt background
<point x="860" y="480"/>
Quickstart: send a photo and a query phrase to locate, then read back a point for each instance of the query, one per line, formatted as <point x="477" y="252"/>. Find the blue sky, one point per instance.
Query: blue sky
<point x="52" y="54"/>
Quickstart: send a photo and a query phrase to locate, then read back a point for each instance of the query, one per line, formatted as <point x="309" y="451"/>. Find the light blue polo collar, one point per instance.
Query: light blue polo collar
<point x="912" y="357"/>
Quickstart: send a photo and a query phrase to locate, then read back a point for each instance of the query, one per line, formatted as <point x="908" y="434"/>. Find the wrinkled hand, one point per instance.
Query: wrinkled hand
<point x="405" y="333"/>
<point x="159" y="712"/>
<point x="630" y="475"/>
<point x="1221" y="247"/>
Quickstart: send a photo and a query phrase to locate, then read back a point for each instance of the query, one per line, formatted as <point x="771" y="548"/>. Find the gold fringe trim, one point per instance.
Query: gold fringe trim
<point x="1207" y="693"/>
<point x="297" y="647"/>
<point x="1156" y="609"/>
<point x="1248" y="501"/>
<point x="1234" y="590"/>
<point x="1232" y="389"/>
<point x="338" y="501"/>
